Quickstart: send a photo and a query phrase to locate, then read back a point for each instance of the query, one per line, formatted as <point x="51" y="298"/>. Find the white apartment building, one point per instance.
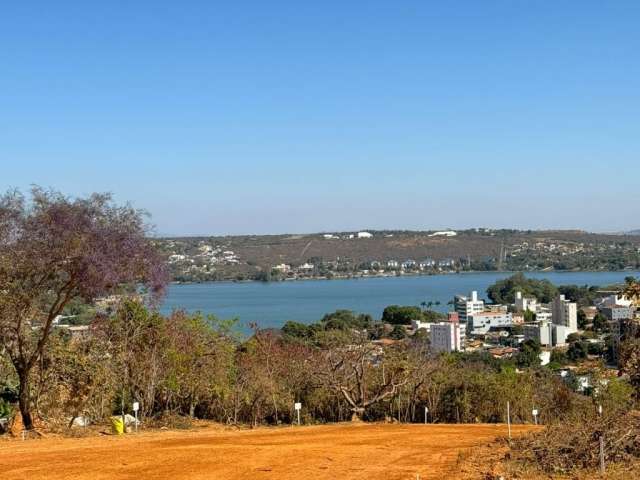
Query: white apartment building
<point x="447" y="337"/>
<point x="466" y="306"/>
<point x="542" y="332"/>
<point x="482" y="322"/>
<point x="524" y="303"/>
<point x="547" y="334"/>
<point x="544" y="314"/>
<point x="564" y="312"/>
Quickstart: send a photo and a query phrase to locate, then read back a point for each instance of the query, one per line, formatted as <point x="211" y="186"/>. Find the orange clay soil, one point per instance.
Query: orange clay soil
<point x="359" y="451"/>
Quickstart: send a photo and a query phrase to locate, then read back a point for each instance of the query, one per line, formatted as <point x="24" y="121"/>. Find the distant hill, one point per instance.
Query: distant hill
<point x="343" y="253"/>
<point x="634" y="232"/>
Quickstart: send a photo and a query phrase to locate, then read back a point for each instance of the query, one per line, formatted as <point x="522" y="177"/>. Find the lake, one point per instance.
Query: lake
<point x="272" y="304"/>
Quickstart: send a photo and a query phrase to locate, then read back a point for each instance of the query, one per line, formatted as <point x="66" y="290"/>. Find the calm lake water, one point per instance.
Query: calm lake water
<point x="272" y="304"/>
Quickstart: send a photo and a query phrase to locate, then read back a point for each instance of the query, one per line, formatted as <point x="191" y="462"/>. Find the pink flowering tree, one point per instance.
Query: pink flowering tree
<point x="53" y="249"/>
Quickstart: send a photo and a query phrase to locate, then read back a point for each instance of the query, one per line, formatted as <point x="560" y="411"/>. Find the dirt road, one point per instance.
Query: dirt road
<point x="366" y="451"/>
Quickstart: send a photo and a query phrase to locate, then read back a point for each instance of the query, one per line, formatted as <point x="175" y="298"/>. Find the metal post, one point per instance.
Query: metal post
<point x="509" y="419"/>
<point x="298" y="417"/>
<point x="426" y="412"/>
<point x="602" y="466"/>
<point x="136" y="413"/>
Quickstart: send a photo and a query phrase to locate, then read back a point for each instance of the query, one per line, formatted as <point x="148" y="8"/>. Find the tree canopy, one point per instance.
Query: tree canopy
<point x="504" y="291"/>
<point x="54" y="249"/>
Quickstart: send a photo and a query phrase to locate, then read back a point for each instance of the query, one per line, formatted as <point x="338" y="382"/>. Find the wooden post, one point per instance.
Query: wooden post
<point x="602" y="467"/>
<point x="509" y="419"/>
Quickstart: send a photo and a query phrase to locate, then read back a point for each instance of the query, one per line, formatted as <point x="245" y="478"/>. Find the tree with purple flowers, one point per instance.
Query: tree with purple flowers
<point x="54" y="249"/>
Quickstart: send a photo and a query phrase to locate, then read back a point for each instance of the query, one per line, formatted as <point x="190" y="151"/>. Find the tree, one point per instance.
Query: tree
<point x="54" y="249"/>
<point x="600" y="323"/>
<point x="398" y="315"/>
<point x="529" y="355"/>
<point x="398" y="332"/>
<point x="630" y="362"/>
<point x="577" y="351"/>
<point x="631" y="289"/>
<point x="345" y="319"/>
<point x="504" y="291"/>
<point x="582" y="319"/>
<point x="351" y="366"/>
<point x="403" y="315"/>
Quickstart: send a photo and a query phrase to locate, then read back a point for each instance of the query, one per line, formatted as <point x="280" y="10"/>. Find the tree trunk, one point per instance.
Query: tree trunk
<point x="356" y="414"/>
<point x="24" y="400"/>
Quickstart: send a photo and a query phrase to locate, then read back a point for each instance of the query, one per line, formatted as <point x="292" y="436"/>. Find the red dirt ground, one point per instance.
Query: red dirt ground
<point x="353" y="451"/>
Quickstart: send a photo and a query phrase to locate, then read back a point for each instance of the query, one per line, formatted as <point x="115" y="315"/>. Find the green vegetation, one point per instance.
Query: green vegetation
<point x="504" y="291"/>
<point x="403" y="315"/>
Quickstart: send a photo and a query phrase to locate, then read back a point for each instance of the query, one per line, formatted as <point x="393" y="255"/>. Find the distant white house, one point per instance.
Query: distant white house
<point x="392" y="264"/>
<point x="444" y="233"/>
<point x="306" y="266"/>
<point x="446" y="263"/>
<point x="408" y="264"/>
<point x="364" y="235"/>
<point x="330" y="236"/>
<point x="427" y="263"/>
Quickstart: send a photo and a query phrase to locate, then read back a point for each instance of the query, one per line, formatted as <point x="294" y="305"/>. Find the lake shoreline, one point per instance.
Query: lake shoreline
<point x="404" y="275"/>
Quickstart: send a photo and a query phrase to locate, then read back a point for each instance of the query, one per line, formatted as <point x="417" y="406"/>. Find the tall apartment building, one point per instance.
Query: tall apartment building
<point x="564" y="312"/>
<point x="447" y="337"/>
<point x="466" y="306"/>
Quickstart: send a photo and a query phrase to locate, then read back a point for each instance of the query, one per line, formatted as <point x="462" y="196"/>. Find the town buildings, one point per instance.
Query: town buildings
<point x="482" y="322"/>
<point x="447" y="337"/>
<point x="615" y="313"/>
<point x="564" y="312"/>
<point x="524" y="303"/>
<point x="466" y="306"/>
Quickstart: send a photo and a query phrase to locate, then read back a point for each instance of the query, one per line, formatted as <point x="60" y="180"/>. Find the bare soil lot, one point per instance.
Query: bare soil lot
<point x="354" y="451"/>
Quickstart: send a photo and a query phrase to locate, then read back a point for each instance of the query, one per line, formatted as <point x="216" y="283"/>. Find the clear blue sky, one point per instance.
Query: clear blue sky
<point x="293" y="116"/>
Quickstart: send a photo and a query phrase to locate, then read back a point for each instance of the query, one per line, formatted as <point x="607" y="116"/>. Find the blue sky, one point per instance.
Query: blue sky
<point x="269" y="117"/>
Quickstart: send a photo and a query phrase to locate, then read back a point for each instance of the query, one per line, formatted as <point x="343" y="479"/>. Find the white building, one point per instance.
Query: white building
<point x="407" y="264"/>
<point x="364" y="235"/>
<point x="541" y="332"/>
<point x="547" y="334"/>
<point x="543" y="314"/>
<point x="615" y="300"/>
<point x="524" y="303"/>
<point x="466" y="306"/>
<point x="447" y="337"/>
<point x="482" y="322"/>
<point x="418" y="324"/>
<point x="445" y="233"/>
<point x="565" y="313"/>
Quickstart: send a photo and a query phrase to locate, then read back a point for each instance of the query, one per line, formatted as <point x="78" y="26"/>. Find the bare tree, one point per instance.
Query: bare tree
<point x="363" y="373"/>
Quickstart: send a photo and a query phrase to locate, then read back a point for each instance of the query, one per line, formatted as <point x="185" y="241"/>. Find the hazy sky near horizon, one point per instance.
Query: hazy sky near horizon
<point x="289" y="116"/>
